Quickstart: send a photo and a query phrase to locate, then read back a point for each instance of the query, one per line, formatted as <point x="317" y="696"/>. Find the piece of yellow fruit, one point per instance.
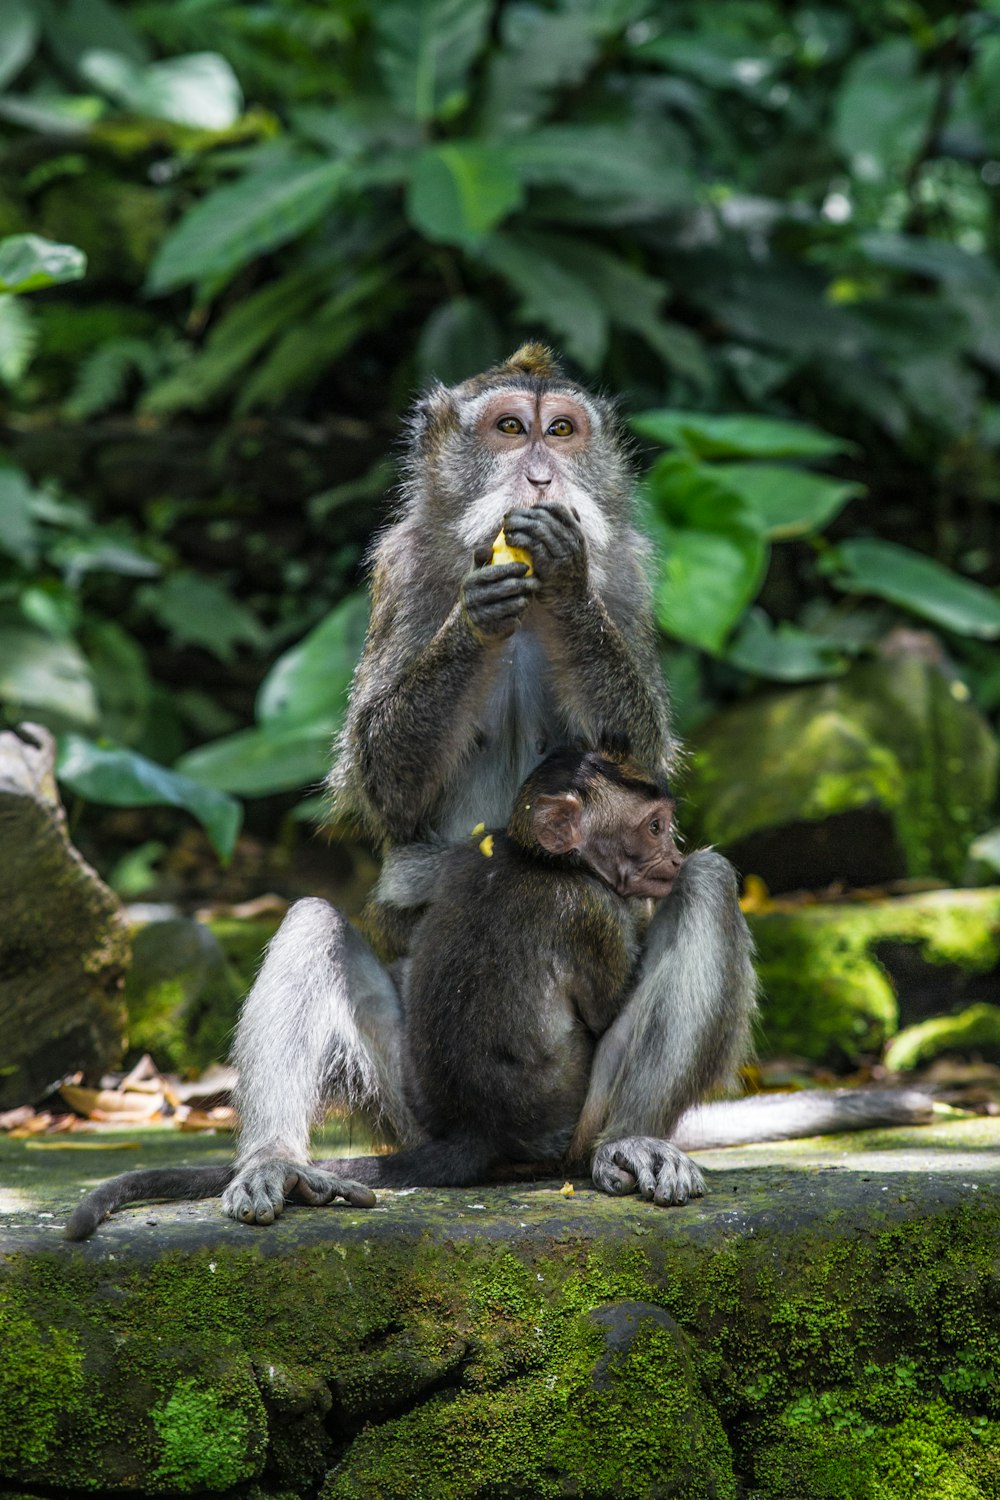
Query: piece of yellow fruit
<point x="504" y="554"/>
<point x="486" y="846"/>
<point x="567" y="1190"/>
<point x="479" y="828"/>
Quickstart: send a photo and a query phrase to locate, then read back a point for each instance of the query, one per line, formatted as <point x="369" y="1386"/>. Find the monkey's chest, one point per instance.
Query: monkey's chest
<point x="517" y="725"/>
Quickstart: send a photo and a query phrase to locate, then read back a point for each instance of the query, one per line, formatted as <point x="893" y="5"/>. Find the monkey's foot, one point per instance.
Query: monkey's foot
<point x="654" y="1169"/>
<point x="257" y="1195"/>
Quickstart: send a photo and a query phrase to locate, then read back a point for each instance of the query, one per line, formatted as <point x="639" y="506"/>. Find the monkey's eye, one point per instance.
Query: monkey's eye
<point x="512" y="426"/>
<point x="561" y="427"/>
<point x="654" y="827"/>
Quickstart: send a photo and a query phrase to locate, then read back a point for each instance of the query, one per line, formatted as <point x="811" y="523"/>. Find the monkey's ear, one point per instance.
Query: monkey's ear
<point x="558" y="822"/>
<point x="434" y="415"/>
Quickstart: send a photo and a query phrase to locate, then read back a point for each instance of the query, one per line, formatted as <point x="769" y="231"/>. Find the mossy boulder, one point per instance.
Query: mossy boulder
<point x="824" y="1323"/>
<point x="839" y="978"/>
<point x="887" y="772"/>
<point x="64" y="940"/>
<point x="186" y="984"/>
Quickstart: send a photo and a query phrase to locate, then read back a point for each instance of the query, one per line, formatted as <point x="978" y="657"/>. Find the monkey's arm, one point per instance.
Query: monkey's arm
<point x="605" y="671"/>
<point x="413" y="710"/>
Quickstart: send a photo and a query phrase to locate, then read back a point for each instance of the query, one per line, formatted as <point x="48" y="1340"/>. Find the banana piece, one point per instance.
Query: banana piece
<point x="504" y="554"/>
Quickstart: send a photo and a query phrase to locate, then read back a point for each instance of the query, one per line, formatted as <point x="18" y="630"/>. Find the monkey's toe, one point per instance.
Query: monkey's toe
<point x="257" y="1195"/>
<point x="657" y="1170"/>
<point x="318" y="1188"/>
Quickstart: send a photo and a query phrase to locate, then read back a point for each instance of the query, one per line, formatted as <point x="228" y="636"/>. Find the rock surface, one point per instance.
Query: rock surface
<point x="63" y="940"/>
<point x="824" y="1323"/>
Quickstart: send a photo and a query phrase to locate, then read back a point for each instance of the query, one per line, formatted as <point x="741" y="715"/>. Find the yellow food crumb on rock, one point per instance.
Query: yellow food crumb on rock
<point x="504" y="554"/>
<point x="567" y="1190"/>
<point x="486" y="846"/>
<point x="479" y="828"/>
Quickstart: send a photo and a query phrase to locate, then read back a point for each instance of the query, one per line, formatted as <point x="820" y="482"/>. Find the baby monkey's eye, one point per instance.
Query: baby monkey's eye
<point x="561" y="427"/>
<point x="511" y="426"/>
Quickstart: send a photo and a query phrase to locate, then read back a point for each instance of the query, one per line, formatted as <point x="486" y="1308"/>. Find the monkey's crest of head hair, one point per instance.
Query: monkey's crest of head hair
<point x="579" y="773"/>
<point x="536" y="360"/>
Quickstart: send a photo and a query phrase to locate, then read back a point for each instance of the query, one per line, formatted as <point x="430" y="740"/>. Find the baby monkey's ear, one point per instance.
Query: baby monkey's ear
<point x="557" y="822"/>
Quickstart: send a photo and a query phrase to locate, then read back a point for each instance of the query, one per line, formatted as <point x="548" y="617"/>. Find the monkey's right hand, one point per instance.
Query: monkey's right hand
<point x="494" y="598"/>
<point x="258" y="1193"/>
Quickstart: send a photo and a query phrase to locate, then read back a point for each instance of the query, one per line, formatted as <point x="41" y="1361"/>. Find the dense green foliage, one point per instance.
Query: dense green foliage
<point x="772" y="228"/>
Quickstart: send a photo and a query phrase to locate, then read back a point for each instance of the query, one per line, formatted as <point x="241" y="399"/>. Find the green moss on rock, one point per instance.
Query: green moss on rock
<point x="204" y="1443"/>
<point x="891" y="736"/>
<point x="976" y="1029"/>
<point x="827" y="995"/>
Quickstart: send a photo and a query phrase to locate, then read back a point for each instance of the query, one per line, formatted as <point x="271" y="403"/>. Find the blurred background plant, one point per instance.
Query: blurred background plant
<point x="772" y="229"/>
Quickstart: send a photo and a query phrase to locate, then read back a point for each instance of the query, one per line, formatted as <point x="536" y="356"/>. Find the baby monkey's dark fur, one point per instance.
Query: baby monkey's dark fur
<point x="520" y="962"/>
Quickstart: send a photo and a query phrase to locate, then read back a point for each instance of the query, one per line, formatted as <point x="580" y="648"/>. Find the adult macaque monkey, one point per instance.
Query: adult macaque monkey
<point x="470" y="675"/>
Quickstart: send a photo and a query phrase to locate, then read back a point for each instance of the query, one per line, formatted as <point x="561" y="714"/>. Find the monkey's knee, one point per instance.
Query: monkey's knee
<point x="708" y="873"/>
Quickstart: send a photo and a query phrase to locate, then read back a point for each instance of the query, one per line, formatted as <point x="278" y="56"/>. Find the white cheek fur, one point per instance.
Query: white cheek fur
<point x="483" y="517"/>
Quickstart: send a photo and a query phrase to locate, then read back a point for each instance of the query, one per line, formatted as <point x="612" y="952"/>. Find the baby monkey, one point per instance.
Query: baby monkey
<point x="519" y="965"/>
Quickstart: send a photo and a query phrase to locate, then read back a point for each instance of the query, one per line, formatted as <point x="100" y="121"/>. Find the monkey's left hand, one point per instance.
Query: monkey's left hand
<point x="553" y="536"/>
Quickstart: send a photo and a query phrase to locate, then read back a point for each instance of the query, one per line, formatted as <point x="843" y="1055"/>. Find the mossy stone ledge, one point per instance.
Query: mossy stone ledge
<point x="825" y="1323"/>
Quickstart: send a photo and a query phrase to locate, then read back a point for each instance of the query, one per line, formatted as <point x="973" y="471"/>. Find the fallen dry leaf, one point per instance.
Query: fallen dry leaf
<point x="102" y="1104"/>
<point x="60" y="1145"/>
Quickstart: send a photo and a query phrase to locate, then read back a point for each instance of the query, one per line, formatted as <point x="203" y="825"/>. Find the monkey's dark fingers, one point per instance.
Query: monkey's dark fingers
<point x="554" y="540"/>
<point x="318" y="1188"/>
<point x="678" y="1180"/>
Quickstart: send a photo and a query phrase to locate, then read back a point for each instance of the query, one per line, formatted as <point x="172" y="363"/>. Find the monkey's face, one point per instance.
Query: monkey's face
<point x="629" y="842"/>
<point x="514" y="444"/>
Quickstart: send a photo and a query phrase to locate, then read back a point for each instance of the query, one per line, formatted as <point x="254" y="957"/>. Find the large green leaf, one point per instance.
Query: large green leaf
<point x="540" y="52"/>
<point x="309" y="683"/>
<point x="549" y="294"/>
<point x="707" y="579"/>
<point x="712" y="554"/>
<point x="19" y="536"/>
<point x="199" y="611"/>
<point x="916" y="582"/>
<point x="239" y="222"/>
<point x="41" y="674"/>
<point x="121" y="678"/>
<point x="259" y="762"/>
<point x="18" y="37"/>
<point x="789" y="502"/>
<point x="603" y="161"/>
<point x="883" y="110"/>
<point x="18" y="336"/>
<point x="460" y="191"/>
<point x="200" y="90"/>
<point x="28" y="263"/>
<point x="736" y="437"/>
<point x="713" y="58"/>
<point x="235" y="340"/>
<point x="425" y="49"/>
<point x="116" y="777"/>
<point x="784" y="653"/>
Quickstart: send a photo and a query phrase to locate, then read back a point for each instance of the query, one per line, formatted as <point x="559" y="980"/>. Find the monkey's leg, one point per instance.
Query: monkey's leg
<point x="322" y="1021"/>
<point x="682" y="1033"/>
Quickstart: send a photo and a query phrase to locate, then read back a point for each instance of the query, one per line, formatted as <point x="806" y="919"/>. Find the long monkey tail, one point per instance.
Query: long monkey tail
<point x="783" y="1117"/>
<point x="458" y="1162"/>
<point x="167" y="1184"/>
